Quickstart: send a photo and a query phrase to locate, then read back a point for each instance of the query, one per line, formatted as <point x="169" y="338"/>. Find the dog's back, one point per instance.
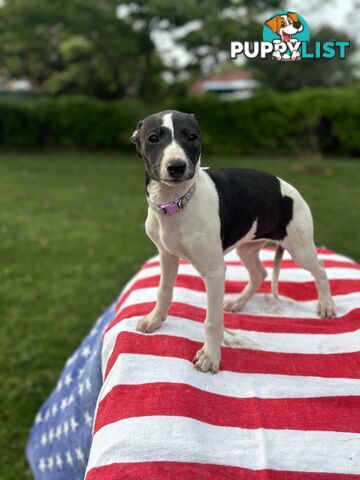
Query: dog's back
<point x="246" y="196"/>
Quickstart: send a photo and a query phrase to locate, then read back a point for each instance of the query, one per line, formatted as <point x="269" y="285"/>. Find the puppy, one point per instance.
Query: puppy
<point x="285" y="26"/>
<point x="200" y="214"/>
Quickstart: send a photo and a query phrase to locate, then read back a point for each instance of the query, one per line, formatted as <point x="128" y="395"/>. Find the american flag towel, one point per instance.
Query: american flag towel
<point x="285" y="405"/>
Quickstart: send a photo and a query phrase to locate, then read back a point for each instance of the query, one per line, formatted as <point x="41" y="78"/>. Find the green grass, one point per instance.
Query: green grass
<point x="71" y="235"/>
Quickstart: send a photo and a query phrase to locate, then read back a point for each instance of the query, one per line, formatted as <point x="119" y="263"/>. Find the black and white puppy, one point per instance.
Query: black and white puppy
<point x="200" y="214"/>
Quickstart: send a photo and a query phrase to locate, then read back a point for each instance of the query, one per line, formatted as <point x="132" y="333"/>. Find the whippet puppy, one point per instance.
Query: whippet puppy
<point x="200" y="214"/>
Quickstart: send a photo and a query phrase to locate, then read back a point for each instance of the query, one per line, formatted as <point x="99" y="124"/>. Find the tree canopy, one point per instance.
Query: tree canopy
<point x="107" y="49"/>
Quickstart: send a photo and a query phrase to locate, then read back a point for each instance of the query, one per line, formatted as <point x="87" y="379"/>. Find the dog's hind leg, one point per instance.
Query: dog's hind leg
<point x="299" y="242"/>
<point x="249" y="256"/>
<point x="306" y="257"/>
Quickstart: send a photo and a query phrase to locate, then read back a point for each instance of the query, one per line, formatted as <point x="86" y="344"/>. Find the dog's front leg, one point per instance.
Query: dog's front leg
<point x="169" y="266"/>
<point x="208" y="357"/>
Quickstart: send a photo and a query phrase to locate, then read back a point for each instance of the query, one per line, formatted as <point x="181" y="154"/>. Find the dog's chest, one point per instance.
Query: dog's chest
<point x="178" y="234"/>
<point x="193" y="230"/>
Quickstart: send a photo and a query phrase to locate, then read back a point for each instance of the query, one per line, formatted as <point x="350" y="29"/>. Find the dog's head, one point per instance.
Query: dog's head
<point x="285" y="25"/>
<point x="169" y="143"/>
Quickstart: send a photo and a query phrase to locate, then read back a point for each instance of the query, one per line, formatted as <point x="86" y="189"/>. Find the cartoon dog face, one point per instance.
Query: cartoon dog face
<point x="285" y="25"/>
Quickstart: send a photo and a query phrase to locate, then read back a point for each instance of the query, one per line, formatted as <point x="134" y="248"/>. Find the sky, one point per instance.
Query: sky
<point x="337" y="13"/>
<point x="341" y="14"/>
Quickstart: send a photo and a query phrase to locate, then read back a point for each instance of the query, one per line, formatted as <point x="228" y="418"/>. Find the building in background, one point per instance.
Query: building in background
<point x="227" y="86"/>
<point x="15" y="88"/>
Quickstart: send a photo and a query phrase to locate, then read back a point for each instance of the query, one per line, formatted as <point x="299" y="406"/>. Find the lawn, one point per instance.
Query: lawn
<point x="72" y="233"/>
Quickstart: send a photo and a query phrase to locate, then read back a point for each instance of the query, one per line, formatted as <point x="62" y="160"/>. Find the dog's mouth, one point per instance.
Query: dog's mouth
<point x="286" y="37"/>
<point x="173" y="181"/>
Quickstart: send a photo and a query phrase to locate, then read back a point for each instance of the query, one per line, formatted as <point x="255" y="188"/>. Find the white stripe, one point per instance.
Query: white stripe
<point x="136" y="369"/>
<point x="240" y="274"/>
<point x="262" y="304"/>
<point x="314" y="343"/>
<point x="181" y="439"/>
<point x="167" y="122"/>
<point x="266" y="254"/>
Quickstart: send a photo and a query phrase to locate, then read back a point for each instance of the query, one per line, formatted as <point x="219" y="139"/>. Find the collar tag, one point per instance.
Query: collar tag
<point x="169" y="208"/>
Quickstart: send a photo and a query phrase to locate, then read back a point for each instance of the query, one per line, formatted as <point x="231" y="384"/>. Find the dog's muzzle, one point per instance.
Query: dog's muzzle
<point x="176" y="168"/>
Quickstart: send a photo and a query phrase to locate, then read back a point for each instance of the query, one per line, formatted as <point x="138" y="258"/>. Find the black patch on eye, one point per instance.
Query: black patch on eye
<point x="187" y="135"/>
<point x="153" y="138"/>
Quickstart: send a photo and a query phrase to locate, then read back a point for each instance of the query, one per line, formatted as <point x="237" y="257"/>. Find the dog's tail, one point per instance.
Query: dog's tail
<point x="276" y="271"/>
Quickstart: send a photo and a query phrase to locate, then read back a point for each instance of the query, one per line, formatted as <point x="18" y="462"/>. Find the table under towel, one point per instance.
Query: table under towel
<point x="285" y="405"/>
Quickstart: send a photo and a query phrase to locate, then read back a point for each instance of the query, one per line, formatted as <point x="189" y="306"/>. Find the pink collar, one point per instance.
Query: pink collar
<point x="175" y="206"/>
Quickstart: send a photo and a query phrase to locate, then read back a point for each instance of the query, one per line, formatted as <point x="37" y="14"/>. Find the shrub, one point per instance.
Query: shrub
<point x="311" y="121"/>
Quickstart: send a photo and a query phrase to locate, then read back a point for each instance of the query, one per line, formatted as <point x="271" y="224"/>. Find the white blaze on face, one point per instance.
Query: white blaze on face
<point x="173" y="151"/>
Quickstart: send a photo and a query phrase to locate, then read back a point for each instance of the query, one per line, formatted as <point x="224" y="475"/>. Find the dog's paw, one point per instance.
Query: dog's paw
<point x="149" y="323"/>
<point x="207" y="361"/>
<point x="326" y="308"/>
<point x="234" y="304"/>
<point x="295" y="54"/>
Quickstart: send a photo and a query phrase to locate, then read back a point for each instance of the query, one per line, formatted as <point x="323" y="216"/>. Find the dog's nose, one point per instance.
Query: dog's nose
<point x="297" y="25"/>
<point x="176" y="168"/>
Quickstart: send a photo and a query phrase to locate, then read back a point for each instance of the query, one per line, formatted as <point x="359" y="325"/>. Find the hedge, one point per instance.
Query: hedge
<point x="307" y="121"/>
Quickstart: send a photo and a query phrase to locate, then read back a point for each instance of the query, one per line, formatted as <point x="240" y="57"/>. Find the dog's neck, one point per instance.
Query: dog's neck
<point x="160" y="193"/>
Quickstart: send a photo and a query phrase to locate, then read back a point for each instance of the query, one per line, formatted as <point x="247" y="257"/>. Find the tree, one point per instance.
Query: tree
<point x="79" y="46"/>
<point x="288" y="76"/>
<point x="101" y="48"/>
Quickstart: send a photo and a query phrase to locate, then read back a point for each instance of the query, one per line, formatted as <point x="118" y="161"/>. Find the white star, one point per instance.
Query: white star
<point x="59" y="461"/>
<point x="54" y="409"/>
<point x="63" y="403"/>
<point x="66" y="427"/>
<point x="88" y="418"/>
<point x="42" y="464"/>
<point x="51" y="435"/>
<point x="81" y="371"/>
<point x="85" y="352"/>
<point x="81" y="389"/>
<point x="69" y="458"/>
<point x="88" y="384"/>
<point x="73" y="424"/>
<point x="50" y="462"/>
<point x="72" y="358"/>
<point x="47" y="415"/>
<point x="70" y="399"/>
<point x="43" y="439"/>
<point x="68" y="379"/>
<point x="59" y="385"/>
<point x="93" y="332"/>
<point x="58" y="431"/>
<point x="38" y="418"/>
<point x="79" y="454"/>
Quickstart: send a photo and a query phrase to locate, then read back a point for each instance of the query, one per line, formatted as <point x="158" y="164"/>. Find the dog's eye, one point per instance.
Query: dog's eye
<point x="153" y="138"/>
<point x="192" y="137"/>
<point x="283" y="24"/>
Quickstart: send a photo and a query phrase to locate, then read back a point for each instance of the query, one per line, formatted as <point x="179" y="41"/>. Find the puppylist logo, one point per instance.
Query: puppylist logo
<point x="286" y="36"/>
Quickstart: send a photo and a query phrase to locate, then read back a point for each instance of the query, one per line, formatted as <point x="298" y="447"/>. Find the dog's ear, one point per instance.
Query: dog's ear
<point x="294" y="17"/>
<point x="135" y="137"/>
<point x="272" y="23"/>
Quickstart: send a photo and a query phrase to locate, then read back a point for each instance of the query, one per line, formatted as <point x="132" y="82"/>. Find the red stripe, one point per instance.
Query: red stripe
<point x="200" y="471"/>
<point x="337" y="414"/>
<point x="316" y="325"/>
<point x="340" y="365"/>
<point x="270" y="264"/>
<point x="298" y="291"/>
